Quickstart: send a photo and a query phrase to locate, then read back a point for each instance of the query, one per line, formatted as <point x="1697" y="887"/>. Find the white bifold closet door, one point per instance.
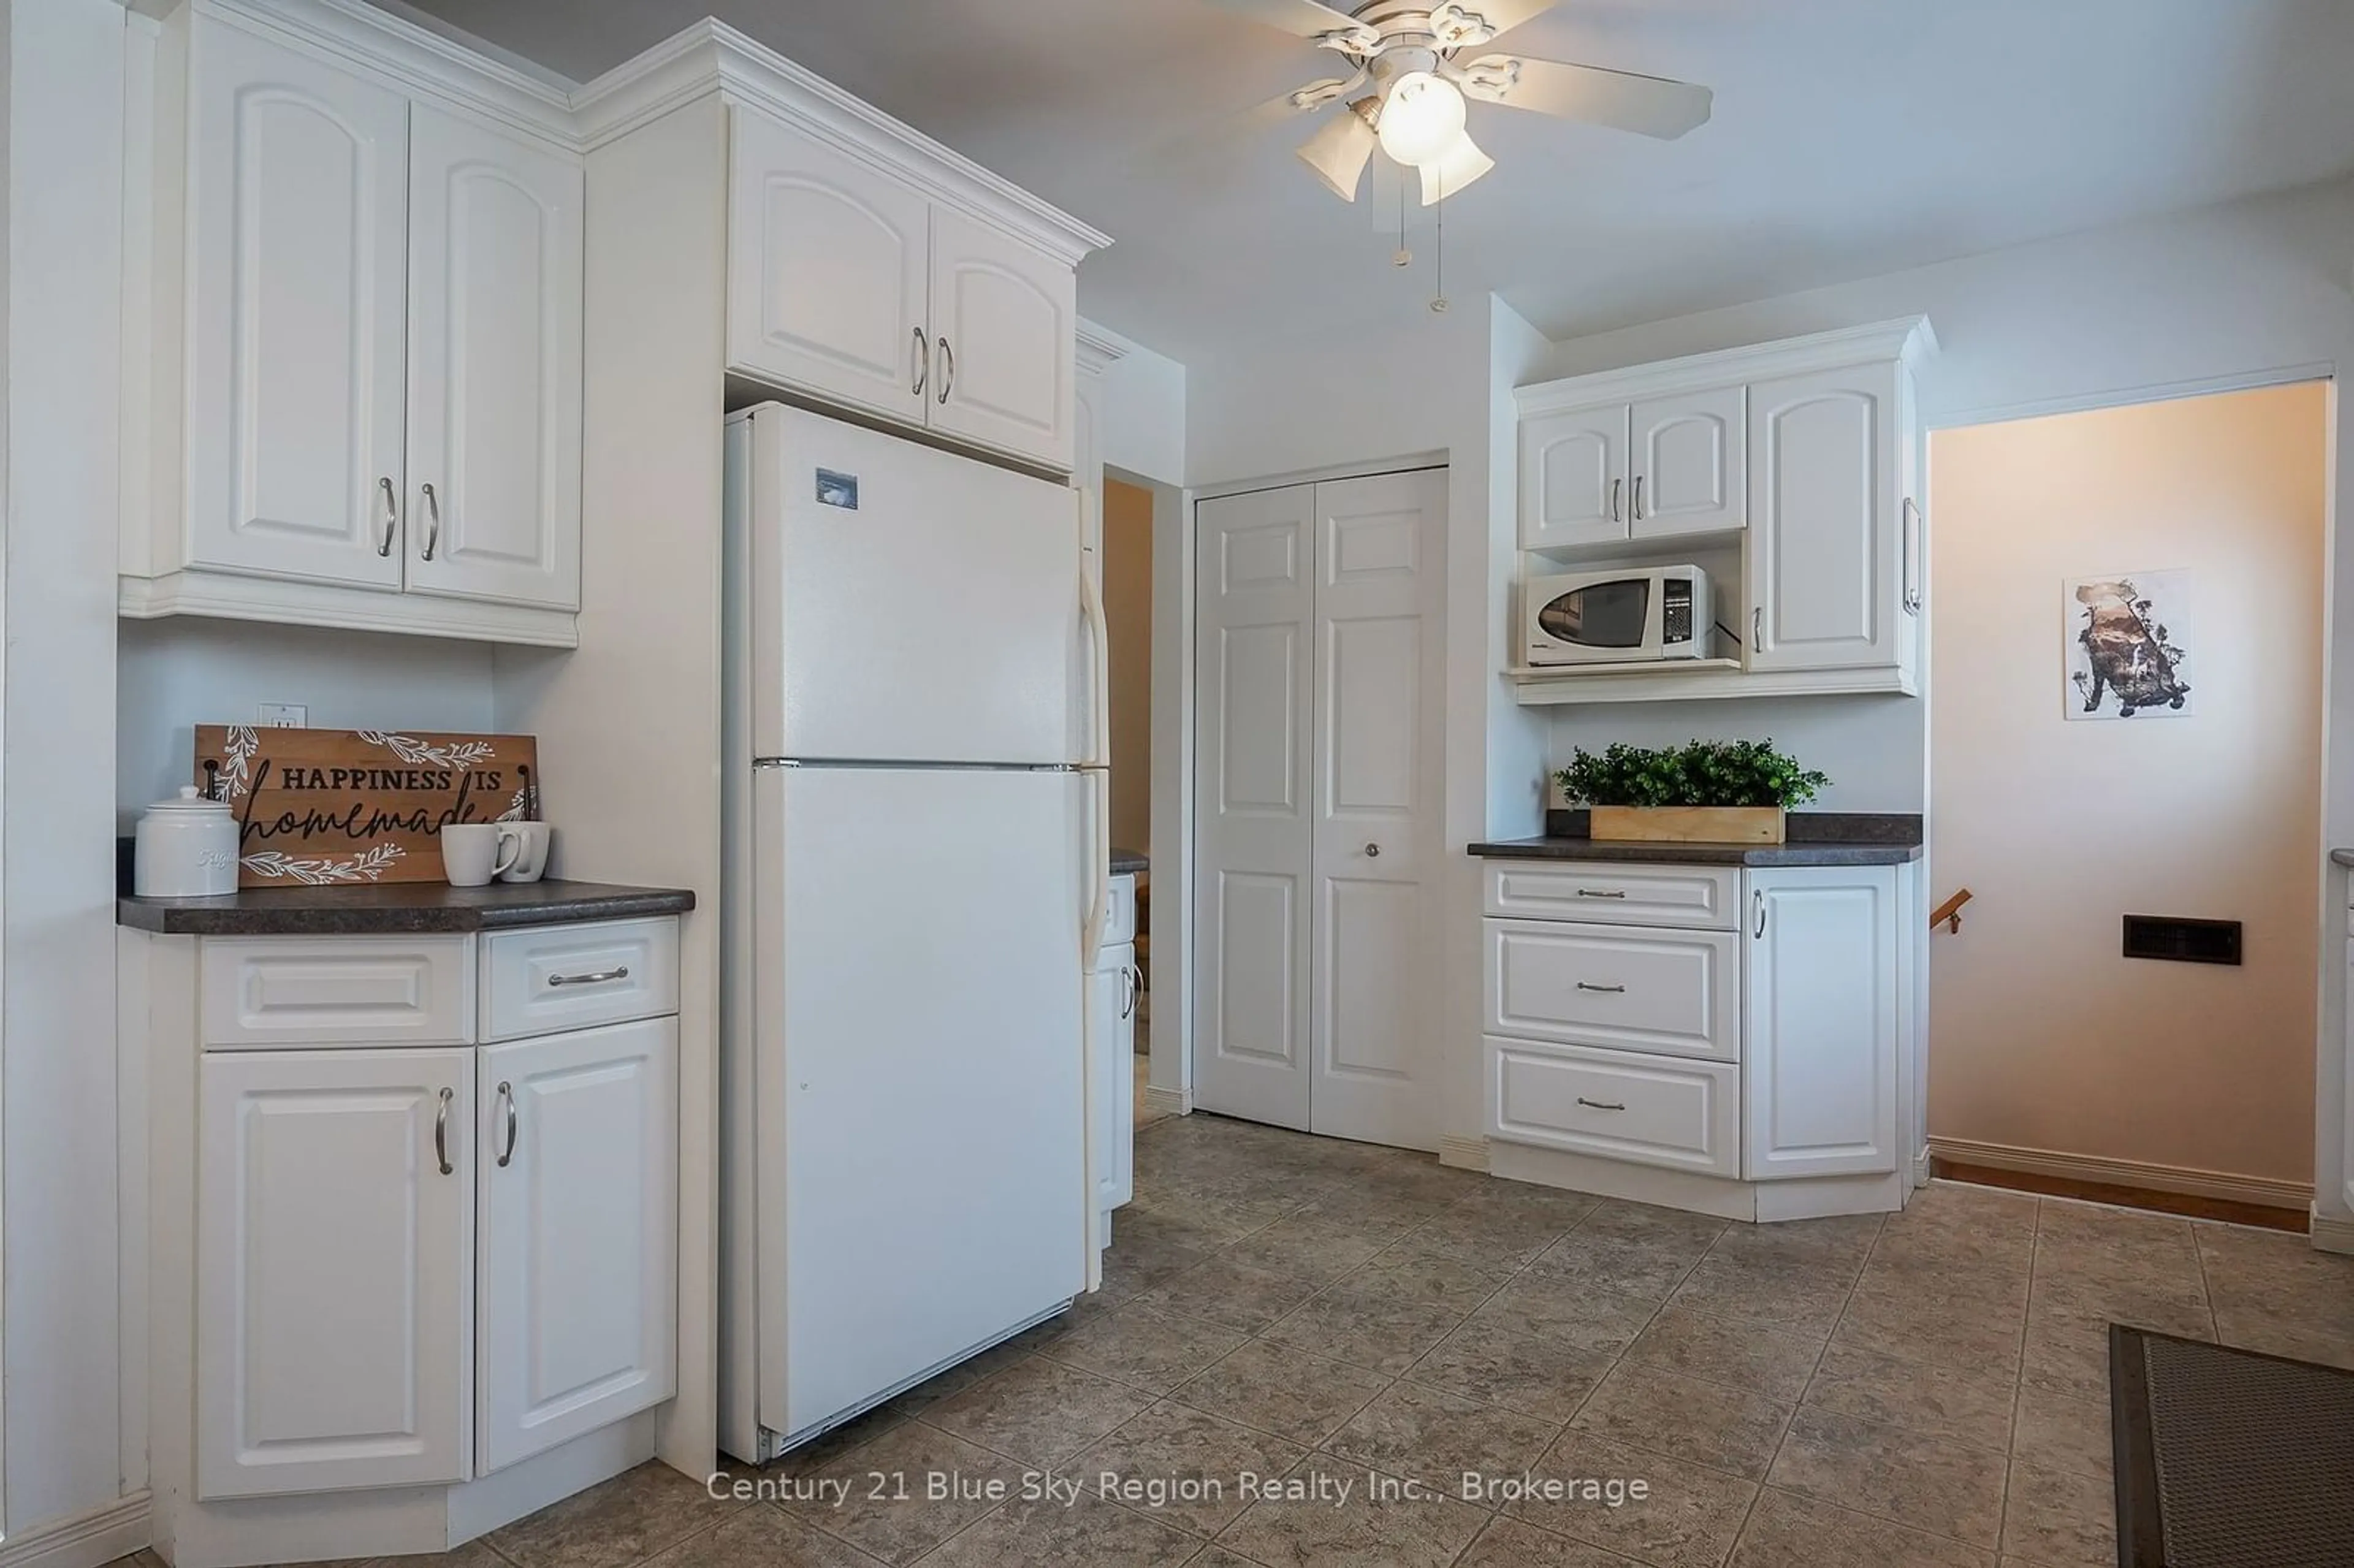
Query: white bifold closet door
<point x="1319" y="653"/>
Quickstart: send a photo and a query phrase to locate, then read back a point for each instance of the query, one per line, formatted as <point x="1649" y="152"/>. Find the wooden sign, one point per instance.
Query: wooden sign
<point x="322" y="805"/>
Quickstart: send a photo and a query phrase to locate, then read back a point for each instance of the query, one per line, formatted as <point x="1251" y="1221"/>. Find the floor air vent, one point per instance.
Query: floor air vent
<point x="2182" y="941"/>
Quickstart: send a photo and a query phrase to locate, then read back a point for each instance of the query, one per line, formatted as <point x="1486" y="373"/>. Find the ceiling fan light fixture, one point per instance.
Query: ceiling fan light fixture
<point x="1422" y="118"/>
<point x="1339" y="151"/>
<point x="1457" y="166"/>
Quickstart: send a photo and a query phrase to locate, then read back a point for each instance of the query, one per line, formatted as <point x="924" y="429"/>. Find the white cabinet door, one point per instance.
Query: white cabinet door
<point x="494" y="256"/>
<point x="334" y="1270"/>
<point x="579" y="1233"/>
<point x="1574" y="478"/>
<point x="1820" y="1021"/>
<point x="1826" y="528"/>
<point x="1690" y="459"/>
<point x="1112" y="991"/>
<point x="829" y="272"/>
<point x="1004" y="339"/>
<point x="298" y="192"/>
<point x="1379" y="554"/>
<point x="1254" y="753"/>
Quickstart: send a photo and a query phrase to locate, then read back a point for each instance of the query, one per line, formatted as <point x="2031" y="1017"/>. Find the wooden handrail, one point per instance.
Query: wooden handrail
<point x="1949" y="913"/>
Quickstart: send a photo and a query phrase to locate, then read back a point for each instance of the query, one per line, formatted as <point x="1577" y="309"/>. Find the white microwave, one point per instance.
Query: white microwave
<point x="1624" y="617"/>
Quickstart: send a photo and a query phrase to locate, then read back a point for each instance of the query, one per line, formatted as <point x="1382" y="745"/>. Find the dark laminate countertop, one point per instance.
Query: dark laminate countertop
<point x="1127" y="861"/>
<point x="396" y="908"/>
<point x="1817" y="837"/>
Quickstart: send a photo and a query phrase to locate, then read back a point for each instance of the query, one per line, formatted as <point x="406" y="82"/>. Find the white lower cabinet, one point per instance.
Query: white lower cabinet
<point x="334" y="1269"/>
<point x="418" y="1266"/>
<point x="577" y="1200"/>
<point x="1113" y="992"/>
<point x="1766" y="1053"/>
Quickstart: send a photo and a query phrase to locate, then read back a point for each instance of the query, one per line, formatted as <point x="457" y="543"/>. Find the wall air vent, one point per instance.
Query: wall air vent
<point x="2182" y="941"/>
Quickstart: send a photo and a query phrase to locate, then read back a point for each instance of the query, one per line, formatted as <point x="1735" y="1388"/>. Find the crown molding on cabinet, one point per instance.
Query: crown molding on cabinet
<point x="1909" y="338"/>
<point x="712" y="55"/>
<point x="1098" y="349"/>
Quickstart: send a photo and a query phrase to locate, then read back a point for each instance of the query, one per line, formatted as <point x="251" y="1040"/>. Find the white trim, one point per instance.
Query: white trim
<point x="2186" y="1180"/>
<point x="229" y="597"/>
<point x="1920" y="1167"/>
<point x="87" y="1540"/>
<point x="1168" y="1102"/>
<point x="2331" y="1233"/>
<point x="1909" y="339"/>
<point x="1664" y="682"/>
<point x="2133" y="397"/>
<point x="1463" y="1154"/>
<point x="1099" y="348"/>
<point x="1413" y="462"/>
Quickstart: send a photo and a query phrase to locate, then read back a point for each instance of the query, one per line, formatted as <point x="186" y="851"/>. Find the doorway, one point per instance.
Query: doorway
<point x="2125" y="724"/>
<point x="1318" y="667"/>
<point x="1127" y="619"/>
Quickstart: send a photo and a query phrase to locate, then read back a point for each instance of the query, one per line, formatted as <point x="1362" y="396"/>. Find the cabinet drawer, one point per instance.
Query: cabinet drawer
<point x="1653" y="1110"/>
<point x="278" y="993"/>
<point x="572" y="977"/>
<point x="1675" y="993"/>
<point x="1695" y="895"/>
<point x="1120" y="919"/>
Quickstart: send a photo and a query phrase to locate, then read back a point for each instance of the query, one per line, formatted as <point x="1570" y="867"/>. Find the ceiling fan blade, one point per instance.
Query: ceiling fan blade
<point x="1339" y="151"/>
<point x="1647" y="105"/>
<point x="1500" y="17"/>
<point x="1302" y="18"/>
<point x="1454" y="169"/>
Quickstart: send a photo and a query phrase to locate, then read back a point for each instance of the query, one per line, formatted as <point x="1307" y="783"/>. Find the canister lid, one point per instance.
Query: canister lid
<point x="191" y="799"/>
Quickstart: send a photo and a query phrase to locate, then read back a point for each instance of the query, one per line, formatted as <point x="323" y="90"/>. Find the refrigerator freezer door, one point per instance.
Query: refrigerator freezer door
<point x="921" y="1091"/>
<point x="908" y="605"/>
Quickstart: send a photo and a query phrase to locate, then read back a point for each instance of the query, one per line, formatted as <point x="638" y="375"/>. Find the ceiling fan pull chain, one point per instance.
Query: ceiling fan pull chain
<point x="1439" y="300"/>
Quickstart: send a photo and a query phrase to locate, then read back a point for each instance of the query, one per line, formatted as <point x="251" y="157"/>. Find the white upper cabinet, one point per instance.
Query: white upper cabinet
<point x="1821" y="1021"/>
<point x="1574" y="478"/>
<point x="1689" y="463"/>
<point x="829" y="272"/>
<point x="1827" y="539"/>
<point x="579" y="1236"/>
<point x="334" y="1269"/>
<point x="872" y="281"/>
<point x="1004" y="321"/>
<point x="298" y="190"/>
<point x="494" y="249"/>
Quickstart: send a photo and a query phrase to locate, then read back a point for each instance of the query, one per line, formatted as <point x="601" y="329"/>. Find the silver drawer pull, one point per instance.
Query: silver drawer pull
<point x="1588" y="985"/>
<point x="1599" y="1105"/>
<point x="599" y="977"/>
<point x="441" y="1133"/>
<point x="506" y="1098"/>
<point x="1602" y="892"/>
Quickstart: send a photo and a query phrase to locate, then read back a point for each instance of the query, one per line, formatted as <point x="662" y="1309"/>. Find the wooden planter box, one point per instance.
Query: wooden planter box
<point x="1692" y="824"/>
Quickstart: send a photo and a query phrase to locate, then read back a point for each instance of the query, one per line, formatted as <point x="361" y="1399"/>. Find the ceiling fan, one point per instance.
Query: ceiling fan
<point x="1408" y="78"/>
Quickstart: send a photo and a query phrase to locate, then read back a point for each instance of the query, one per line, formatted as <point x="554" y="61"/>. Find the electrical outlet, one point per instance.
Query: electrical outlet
<point x="282" y="715"/>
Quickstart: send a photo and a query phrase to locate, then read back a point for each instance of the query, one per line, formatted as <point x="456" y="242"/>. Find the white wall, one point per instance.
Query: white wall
<point x="1869" y="746"/>
<point x="1144" y="410"/>
<point x="2239" y="293"/>
<point x="178" y="673"/>
<point x="59" y="1317"/>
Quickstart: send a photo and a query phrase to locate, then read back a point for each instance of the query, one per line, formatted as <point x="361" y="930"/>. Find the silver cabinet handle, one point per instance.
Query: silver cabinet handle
<point x="1757" y="902"/>
<point x="1588" y="985"/>
<point x="441" y="1132"/>
<point x="1602" y="892"/>
<point x="1757" y="628"/>
<point x="948" y="370"/>
<point x="1912" y="557"/>
<point x="1600" y="1105"/>
<point x="391" y="517"/>
<point x="1130" y="984"/>
<point x="1638" y="498"/>
<point x="1613" y="499"/>
<point x="1374" y="851"/>
<point x="506" y="1098"/>
<point x="432" y="520"/>
<point x="923" y="362"/>
<point x="599" y="977"/>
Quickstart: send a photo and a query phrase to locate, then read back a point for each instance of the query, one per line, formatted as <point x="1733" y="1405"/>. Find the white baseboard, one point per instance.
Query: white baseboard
<point x="1167" y="1102"/>
<point x="2180" y="1178"/>
<point x="1463" y="1154"/>
<point x="2331" y="1233"/>
<point x="1921" y="1166"/>
<point x="83" y="1540"/>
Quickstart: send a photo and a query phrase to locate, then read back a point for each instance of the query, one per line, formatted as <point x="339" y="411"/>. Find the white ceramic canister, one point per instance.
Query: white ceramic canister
<point x="184" y="848"/>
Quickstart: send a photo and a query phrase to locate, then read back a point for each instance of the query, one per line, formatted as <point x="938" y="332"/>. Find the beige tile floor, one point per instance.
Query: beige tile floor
<point x="1840" y="1393"/>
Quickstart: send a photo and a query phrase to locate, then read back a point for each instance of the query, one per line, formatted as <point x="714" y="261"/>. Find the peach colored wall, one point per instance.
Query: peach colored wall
<point x="2041" y="1035"/>
<point x="1128" y="607"/>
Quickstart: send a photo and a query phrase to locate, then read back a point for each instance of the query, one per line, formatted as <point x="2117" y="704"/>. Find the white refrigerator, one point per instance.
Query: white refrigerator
<point x="917" y="871"/>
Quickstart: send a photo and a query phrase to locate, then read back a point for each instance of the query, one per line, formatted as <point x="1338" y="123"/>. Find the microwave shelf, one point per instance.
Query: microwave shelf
<point x="1693" y="680"/>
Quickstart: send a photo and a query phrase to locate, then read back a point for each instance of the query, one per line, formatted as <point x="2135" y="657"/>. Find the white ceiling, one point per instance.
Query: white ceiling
<point x="1851" y="137"/>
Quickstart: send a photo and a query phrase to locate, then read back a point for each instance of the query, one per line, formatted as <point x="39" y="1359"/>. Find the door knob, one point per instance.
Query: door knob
<point x="1374" y="850"/>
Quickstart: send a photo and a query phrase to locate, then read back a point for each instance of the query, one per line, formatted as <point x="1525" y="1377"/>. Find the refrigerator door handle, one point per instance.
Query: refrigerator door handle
<point x="1099" y="790"/>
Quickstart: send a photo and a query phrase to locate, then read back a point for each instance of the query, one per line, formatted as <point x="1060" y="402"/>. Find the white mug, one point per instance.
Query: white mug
<point x="473" y="852"/>
<point x="532" y="841"/>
